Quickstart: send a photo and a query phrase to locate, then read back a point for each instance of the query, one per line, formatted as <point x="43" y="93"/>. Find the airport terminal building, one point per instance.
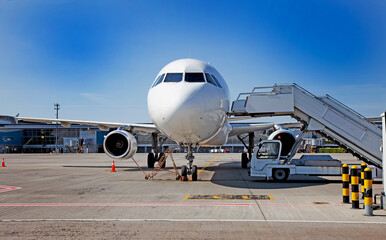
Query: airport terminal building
<point x="25" y="137"/>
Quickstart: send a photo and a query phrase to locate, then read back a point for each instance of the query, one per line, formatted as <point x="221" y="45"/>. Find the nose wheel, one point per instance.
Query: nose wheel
<point x="194" y="173"/>
<point x="189" y="169"/>
<point x="185" y="172"/>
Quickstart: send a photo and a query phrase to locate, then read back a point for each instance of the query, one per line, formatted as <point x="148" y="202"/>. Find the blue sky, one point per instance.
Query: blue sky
<point x="98" y="58"/>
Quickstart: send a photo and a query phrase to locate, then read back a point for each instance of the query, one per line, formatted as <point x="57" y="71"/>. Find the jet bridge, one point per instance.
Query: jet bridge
<point x="324" y="115"/>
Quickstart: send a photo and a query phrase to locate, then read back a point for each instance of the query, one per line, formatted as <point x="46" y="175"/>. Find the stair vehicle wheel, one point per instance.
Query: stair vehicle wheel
<point x="194" y="173"/>
<point x="150" y="160"/>
<point x="244" y="160"/>
<point x="280" y="174"/>
<point x="184" y="172"/>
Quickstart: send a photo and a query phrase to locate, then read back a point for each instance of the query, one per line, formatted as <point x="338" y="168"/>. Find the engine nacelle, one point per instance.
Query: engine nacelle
<point x="287" y="139"/>
<point x="120" y="144"/>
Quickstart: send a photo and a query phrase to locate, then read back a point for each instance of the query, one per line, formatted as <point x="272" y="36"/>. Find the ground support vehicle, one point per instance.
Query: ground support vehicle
<point x="266" y="162"/>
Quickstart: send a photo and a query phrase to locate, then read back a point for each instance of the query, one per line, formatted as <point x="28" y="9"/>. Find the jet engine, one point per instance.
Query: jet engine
<point x="287" y="139"/>
<point x="120" y="144"/>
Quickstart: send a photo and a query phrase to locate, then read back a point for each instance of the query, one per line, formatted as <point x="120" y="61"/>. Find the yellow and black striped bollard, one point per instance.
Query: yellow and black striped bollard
<point x="354" y="187"/>
<point x="346" y="185"/>
<point x="368" y="192"/>
<point x="363" y="167"/>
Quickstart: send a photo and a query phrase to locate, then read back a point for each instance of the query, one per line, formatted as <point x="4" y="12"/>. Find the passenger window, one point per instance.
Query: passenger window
<point x="209" y="79"/>
<point x="173" y="77"/>
<point x="215" y="79"/>
<point x="159" y="80"/>
<point x="194" y="77"/>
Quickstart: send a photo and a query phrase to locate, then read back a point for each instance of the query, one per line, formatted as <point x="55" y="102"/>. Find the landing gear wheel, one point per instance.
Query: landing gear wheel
<point x="160" y="156"/>
<point x="244" y="160"/>
<point x="184" y="173"/>
<point x="194" y="173"/>
<point x="279" y="174"/>
<point x="150" y="160"/>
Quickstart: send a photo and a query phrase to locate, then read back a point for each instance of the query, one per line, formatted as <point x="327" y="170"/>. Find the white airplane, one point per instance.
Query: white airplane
<point x="188" y="103"/>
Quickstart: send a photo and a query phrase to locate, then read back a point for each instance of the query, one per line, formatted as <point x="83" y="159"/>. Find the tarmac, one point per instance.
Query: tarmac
<point x="72" y="196"/>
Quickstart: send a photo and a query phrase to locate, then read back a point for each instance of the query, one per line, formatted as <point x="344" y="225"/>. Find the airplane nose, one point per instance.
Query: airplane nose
<point x="182" y="112"/>
<point x="184" y="107"/>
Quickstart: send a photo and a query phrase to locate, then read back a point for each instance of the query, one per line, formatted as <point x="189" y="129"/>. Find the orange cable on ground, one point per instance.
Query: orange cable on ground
<point x="168" y="152"/>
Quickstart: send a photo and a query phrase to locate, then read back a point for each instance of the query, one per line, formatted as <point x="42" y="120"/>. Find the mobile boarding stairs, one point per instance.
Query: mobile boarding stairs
<point x="324" y="115"/>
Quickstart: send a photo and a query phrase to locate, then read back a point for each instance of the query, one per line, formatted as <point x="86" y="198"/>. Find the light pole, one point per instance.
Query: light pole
<point x="56" y="107"/>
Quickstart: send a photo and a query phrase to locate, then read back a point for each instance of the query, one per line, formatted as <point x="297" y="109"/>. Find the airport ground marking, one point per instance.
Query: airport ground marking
<point x="119" y="204"/>
<point x="227" y="197"/>
<point x="186" y="220"/>
<point x="184" y="204"/>
<point x="8" y="188"/>
<point x="207" y="165"/>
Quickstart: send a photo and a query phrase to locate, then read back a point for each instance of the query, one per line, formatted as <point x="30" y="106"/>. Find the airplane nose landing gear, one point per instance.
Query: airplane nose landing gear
<point x="189" y="169"/>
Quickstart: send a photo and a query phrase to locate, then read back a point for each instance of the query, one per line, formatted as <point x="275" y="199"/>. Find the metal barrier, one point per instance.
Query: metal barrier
<point x="363" y="167"/>
<point x="346" y="184"/>
<point x="368" y="192"/>
<point x="354" y="187"/>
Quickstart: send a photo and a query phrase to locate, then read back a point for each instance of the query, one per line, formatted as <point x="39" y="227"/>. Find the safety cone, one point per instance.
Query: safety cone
<point x="113" y="167"/>
<point x="3" y="163"/>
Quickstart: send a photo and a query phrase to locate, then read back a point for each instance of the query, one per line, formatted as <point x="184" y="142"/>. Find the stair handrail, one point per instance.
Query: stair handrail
<point x="345" y="106"/>
<point x="242" y="94"/>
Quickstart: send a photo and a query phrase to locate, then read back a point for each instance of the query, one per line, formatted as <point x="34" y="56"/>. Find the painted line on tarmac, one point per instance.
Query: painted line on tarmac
<point x="207" y="165"/>
<point x="119" y="204"/>
<point x="8" y="188"/>
<point x="188" y="220"/>
<point x="159" y="204"/>
<point x="301" y="205"/>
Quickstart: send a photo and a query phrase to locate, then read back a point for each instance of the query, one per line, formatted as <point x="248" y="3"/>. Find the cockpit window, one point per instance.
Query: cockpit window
<point x="159" y="80"/>
<point x="194" y="77"/>
<point x="173" y="77"/>
<point x="209" y="79"/>
<point x="217" y="82"/>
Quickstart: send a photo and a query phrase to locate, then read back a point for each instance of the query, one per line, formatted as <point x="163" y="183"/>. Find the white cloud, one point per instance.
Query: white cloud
<point x="98" y="98"/>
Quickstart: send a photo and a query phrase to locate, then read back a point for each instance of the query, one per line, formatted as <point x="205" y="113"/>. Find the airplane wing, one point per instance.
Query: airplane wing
<point x="240" y="128"/>
<point x="103" y="126"/>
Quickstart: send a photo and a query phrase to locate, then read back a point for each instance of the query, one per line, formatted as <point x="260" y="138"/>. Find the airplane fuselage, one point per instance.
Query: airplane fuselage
<point x="189" y="102"/>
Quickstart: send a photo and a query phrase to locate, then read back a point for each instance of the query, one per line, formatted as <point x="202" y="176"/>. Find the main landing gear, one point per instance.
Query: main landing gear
<point x="189" y="169"/>
<point x="152" y="158"/>
<point x="246" y="157"/>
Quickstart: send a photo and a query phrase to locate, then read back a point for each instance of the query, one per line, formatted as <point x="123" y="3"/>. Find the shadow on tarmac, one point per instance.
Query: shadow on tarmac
<point x="79" y="166"/>
<point x="232" y="175"/>
<point x="126" y="168"/>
